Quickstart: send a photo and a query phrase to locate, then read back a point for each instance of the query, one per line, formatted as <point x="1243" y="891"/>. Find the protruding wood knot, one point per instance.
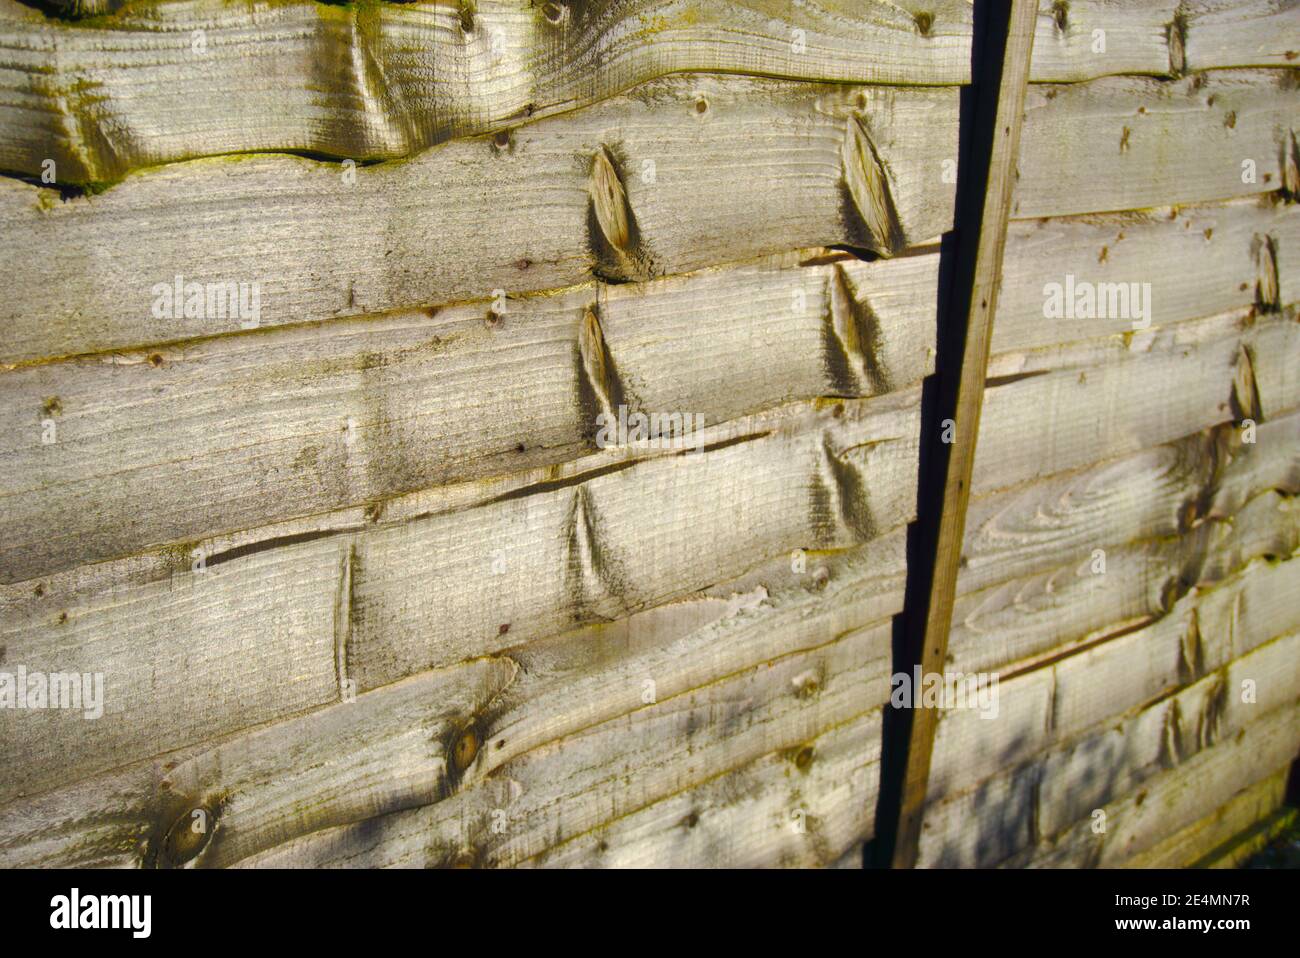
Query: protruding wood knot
<point x="464" y="859"/>
<point x="1267" y="296"/>
<point x="869" y="189"/>
<point x="610" y="201"/>
<point x="1290" y="167"/>
<point x="465" y="749"/>
<point x="803" y="758"/>
<point x="595" y="363"/>
<point x="188" y="836"/>
<point x="1245" y="391"/>
<point x="555" y="13"/>
<point x="1176" y="37"/>
<point x="924" y="22"/>
<point x="502" y="141"/>
<point x="1061" y="15"/>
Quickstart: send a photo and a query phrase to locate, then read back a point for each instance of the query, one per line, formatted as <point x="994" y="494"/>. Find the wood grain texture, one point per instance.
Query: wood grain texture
<point x="1039" y="798"/>
<point x="384" y="593"/>
<point x="682" y="644"/>
<point x="1127" y="143"/>
<point x="1083" y="688"/>
<point x="1039" y="616"/>
<point x="456" y="223"/>
<point x="385" y="80"/>
<point x="1177" y="799"/>
<point x="1241" y="32"/>
<point x="244" y="431"/>
<point x="292" y="232"/>
<point x="363" y="411"/>
<point x="1198" y="260"/>
<point x="183" y="659"/>
<point x="766" y="632"/>
<point x="518" y="566"/>
<point x="626" y="540"/>
<point x="1171" y="385"/>
<point x="1224" y="838"/>
<point x="573" y="788"/>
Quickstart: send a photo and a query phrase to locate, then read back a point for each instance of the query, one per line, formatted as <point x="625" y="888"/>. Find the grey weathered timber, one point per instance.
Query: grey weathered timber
<point x="384" y="80"/>
<point x="243" y="431"/>
<point x="665" y="179"/>
<point x="1127" y="143"/>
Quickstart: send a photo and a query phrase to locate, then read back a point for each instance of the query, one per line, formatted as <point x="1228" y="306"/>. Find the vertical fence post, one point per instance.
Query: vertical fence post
<point x="1002" y="67"/>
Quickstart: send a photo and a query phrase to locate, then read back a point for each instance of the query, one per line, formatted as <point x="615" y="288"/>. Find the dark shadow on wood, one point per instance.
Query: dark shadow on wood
<point x="957" y="254"/>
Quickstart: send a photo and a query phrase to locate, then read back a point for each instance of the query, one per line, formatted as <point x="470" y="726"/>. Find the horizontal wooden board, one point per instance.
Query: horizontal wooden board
<point x="1164" y="387"/>
<point x="361" y="567"/>
<point x="178" y="660"/>
<point x="762" y="815"/>
<point x="1003" y="817"/>
<point x="242" y="431"/>
<point x="1044" y="614"/>
<point x="625" y="540"/>
<point x="385" y="80"/>
<point x="1178" y="798"/>
<point x="1127" y="143"/>
<point x="665" y="179"/>
<point x="1223" y="839"/>
<point x="767" y="633"/>
<point x="359" y="412"/>
<point x="1238" y="32"/>
<point x="680" y="173"/>
<point x="1187" y="262"/>
<point x="571" y="788"/>
<point x="518" y="567"/>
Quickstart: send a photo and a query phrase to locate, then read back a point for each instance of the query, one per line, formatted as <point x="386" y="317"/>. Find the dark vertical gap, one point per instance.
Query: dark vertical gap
<point x="957" y="255"/>
<point x="1292" y="794"/>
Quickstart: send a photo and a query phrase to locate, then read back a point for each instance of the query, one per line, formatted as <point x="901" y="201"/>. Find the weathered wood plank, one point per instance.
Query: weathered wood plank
<point x="574" y="786"/>
<point x="638" y="186"/>
<point x="1180" y="387"/>
<point x="1043" y="614"/>
<point x="1122" y="143"/>
<point x="179" y="660"/>
<point x="1176" y="799"/>
<point x="1196" y="261"/>
<point x="1158" y="521"/>
<point x="1082" y="688"/>
<point x="769" y="638"/>
<point x="382" y="751"/>
<point x="386" y="80"/>
<point x="243" y="431"/>
<point x="363" y="411"/>
<point x="1239" y="32"/>
<point x="292" y="234"/>
<point x="564" y="547"/>
<point x="1003" y="817"/>
<point x="625" y="540"/>
<point x="761" y="815"/>
<point x="146" y="603"/>
<point x="1223" y="839"/>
